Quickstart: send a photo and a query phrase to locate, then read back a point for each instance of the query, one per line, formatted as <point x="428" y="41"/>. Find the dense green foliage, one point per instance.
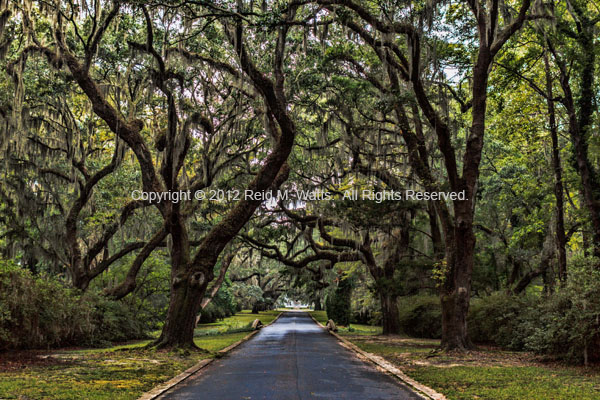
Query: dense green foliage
<point x="338" y="303"/>
<point x="420" y="316"/>
<point x="567" y="324"/>
<point x="503" y="319"/>
<point x="223" y="305"/>
<point x="563" y="325"/>
<point x="39" y="311"/>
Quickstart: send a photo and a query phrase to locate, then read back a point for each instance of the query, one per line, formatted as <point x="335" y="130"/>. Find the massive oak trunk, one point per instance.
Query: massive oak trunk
<point x="187" y="289"/>
<point x="188" y="284"/>
<point x="390" y="314"/>
<point x="456" y="290"/>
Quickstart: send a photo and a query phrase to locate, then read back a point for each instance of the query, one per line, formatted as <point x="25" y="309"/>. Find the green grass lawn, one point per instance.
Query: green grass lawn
<point x="125" y="372"/>
<point x="504" y="382"/>
<point x="238" y="322"/>
<point x="119" y="372"/>
<point x="483" y="374"/>
<point x="320" y="316"/>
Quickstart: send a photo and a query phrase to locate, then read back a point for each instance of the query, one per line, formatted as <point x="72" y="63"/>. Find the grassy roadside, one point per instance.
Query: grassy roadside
<point x="352" y="329"/>
<point x="487" y="373"/>
<point x="320" y="316"/>
<point x="119" y="372"/>
<point x="239" y="322"/>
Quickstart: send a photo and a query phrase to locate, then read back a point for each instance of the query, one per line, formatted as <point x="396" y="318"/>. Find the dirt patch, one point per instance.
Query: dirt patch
<point x="22" y="359"/>
<point x="476" y="358"/>
<point x="394" y="340"/>
<point x="425" y="352"/>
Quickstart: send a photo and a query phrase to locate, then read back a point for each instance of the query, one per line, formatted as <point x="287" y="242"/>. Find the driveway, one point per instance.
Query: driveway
<point x="292" y="359"/>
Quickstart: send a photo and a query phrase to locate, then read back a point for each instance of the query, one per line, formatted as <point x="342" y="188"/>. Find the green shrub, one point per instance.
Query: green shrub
<point x="338" y="304"/>
<point x="568" y="323"/>
<point x="502" y="319"/>
<point x="223" y="305"/>
<point x="376" y="318"/>
<point x="421" y="316"/>
<point x="212" y="312"/>
<point x="39" y="311"/>
<point x="366" y="309"/>
<point x="564" y="325"/>
<point x="113" y="321"/>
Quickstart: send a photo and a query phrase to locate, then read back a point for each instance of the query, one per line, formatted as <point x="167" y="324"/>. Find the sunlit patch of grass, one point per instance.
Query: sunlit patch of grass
<point x="384" y="348"/>
<point x="239" y="322"/>
<point x="352" y="329"/>
<point x="218" y="342"/>
<point x="120" y="372"/>
<point x="358" y="329"/>
<point x="129" y="346"/>
<point x="320" y="316"/>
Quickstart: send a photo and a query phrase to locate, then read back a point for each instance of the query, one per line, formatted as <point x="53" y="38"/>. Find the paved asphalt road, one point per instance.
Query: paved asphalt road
<point x="292" y="359"/>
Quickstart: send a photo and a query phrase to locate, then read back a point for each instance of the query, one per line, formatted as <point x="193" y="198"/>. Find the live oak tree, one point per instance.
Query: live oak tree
<point x="195" y="140"/>
<point x="58" y="160"/>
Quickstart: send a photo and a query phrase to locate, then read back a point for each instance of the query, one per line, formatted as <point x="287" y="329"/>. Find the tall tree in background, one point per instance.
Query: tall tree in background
<point x="573" y="48"/>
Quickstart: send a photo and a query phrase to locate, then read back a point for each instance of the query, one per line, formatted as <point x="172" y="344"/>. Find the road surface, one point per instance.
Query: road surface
<point x="292" y="359"/>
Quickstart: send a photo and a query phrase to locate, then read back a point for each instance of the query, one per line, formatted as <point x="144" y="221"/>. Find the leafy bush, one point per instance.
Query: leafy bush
<point x="150" y="299"/>
<point x="568" y="323"/>
<point x="564" y="325"/>
<point x="113" y="321"/>
<point x="39" y="311"/>
<point x="502" y="319"/>
<point x="366" y="308"/>
<point x="221" y="306"/>
<point x="210" y="314"/>
<point x="376" y="318"/>
<point x="338" y="304"/>
<point x="499" y="318"/>
<point x="421" y="316"/>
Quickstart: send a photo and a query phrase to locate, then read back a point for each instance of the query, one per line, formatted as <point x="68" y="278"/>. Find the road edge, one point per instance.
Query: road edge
<point x="177" y="379"/>
<point x="421" y="389"/>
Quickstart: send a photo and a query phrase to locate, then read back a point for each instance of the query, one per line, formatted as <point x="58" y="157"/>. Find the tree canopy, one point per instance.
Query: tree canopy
<point x="188" y="156"/>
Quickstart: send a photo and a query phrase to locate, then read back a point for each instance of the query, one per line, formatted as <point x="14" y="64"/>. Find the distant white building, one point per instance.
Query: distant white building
<point x="288" y="303"/>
